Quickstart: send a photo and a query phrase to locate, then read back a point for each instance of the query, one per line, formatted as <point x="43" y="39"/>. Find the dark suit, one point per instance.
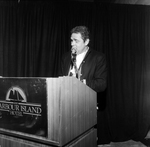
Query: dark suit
<point x="93" y="69"/>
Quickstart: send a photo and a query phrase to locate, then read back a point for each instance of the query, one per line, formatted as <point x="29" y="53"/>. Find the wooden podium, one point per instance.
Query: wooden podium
<point x="47" y="112"/>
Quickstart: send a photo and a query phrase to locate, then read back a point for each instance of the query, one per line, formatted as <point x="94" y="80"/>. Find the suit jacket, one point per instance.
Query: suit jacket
<point x="93" y="69"/>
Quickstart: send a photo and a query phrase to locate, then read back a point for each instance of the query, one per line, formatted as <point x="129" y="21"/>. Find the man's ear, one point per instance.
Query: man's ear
<point x="87" y="41"/>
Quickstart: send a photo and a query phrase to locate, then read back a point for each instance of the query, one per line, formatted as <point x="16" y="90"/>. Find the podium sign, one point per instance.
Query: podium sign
<point x="51" y="111"/>
<point x="23" y="105"/>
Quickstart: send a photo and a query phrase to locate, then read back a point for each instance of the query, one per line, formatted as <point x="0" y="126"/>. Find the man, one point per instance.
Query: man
<point x="88" y="65"/>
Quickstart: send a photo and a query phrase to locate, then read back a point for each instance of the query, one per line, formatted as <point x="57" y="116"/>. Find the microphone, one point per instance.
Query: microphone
<point x="73" y="58"/>
<point x="73" y="54"/>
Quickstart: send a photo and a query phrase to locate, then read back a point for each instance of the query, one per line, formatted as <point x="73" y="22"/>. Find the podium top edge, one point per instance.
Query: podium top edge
<point x="35" y="77"/>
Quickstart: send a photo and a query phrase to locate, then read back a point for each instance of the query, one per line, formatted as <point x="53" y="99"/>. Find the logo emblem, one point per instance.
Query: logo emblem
<point x="16" y="94"/>
<point x="16" y="103"/>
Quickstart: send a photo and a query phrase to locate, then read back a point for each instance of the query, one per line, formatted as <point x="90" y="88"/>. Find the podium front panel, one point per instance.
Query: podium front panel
<point x="23" y="105"/>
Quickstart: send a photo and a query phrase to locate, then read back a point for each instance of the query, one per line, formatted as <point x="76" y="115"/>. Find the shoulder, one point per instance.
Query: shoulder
<point x="96" y="54"/>
<point x="97" y="57"/>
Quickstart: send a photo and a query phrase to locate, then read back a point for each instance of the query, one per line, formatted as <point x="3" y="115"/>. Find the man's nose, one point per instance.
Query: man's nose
<point x="72" y="43"/>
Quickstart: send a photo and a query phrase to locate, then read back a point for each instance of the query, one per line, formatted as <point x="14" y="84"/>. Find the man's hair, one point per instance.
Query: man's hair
<point x="83" y="30"/>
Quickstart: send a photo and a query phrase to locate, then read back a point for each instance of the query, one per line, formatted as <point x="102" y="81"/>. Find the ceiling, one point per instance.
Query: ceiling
<point x="135" y="2"/>
<point x="138" y="2"/>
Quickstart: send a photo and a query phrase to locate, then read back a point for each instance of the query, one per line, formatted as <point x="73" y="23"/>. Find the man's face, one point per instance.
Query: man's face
<point x="78" y="43"/>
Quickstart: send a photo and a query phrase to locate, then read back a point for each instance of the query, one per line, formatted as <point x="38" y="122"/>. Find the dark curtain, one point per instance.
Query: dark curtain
<point x="34" y="35"/>
<point x="128" y="33"/>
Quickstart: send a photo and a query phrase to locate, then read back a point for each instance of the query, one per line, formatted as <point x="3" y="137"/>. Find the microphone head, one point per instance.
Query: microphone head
<point x="73" y="54"/>
<point x="73" y="50"/>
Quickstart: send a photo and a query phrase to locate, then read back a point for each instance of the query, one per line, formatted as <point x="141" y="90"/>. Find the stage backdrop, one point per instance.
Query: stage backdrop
<point x="34" y="35"/>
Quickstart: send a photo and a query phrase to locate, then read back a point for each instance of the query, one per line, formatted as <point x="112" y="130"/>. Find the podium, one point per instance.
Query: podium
<point x="47" y="112"/>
